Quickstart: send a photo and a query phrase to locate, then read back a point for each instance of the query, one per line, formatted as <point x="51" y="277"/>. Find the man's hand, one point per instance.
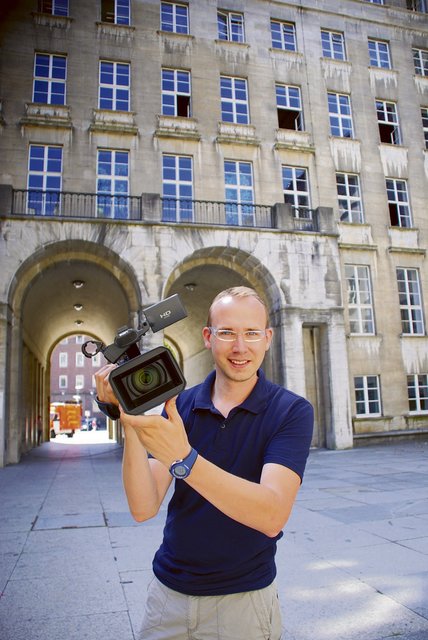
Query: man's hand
<point x="164" y="438"/>
<point x="104" y="390"/>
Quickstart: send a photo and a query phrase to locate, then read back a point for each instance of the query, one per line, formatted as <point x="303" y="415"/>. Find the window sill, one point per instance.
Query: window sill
<point x="46" y="115"/>
<point x="294" y="140"/>
<point x="104" y="120"/>
<point x="177" y="127"/>
<point x="232" y="133"/>
<point x="115" y="30"/>
<point x="48" y="20"/>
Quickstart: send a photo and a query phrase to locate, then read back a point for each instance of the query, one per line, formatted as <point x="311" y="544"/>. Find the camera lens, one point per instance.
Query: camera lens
<point x="147" y="378"/>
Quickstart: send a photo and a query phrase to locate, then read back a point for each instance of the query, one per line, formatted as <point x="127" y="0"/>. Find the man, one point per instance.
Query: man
<point x="237" y="445"/>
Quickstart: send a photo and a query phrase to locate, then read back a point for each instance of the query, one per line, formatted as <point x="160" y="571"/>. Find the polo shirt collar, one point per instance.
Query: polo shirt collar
<point x="255" y="403"/>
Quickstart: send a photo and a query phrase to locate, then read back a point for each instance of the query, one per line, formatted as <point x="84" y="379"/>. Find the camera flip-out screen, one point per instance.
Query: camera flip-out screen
<point x="147" y="380"/>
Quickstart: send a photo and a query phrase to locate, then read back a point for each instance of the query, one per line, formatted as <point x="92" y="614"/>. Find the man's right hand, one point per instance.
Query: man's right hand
<point x="104" y="391"/>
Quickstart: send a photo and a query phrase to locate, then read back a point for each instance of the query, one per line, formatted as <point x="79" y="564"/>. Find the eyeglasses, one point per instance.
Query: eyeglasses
<point x="253" y="335"/>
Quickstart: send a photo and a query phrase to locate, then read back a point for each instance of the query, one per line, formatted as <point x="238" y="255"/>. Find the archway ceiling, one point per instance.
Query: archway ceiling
<point x="48" y="313"/>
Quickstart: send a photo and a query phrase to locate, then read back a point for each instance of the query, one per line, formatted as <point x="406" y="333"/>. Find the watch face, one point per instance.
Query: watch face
<point x="180" y="471"/>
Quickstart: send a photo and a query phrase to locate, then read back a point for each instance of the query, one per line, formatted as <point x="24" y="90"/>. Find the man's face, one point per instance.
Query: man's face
<point x="238" y="360"/>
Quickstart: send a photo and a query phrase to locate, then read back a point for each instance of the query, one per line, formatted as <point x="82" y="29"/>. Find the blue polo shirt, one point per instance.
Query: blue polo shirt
<point x="204" y="552"/>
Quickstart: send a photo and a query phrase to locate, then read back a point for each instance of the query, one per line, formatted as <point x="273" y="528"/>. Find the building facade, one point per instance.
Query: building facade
<point x="149" y="148"/>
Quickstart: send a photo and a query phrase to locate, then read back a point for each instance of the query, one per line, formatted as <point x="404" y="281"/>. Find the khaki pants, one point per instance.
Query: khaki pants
<point x="169" y="615"/>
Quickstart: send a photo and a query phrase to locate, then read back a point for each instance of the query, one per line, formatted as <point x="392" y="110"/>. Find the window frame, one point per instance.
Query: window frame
<point x="420" y="61"/>
<point x="177" y="192"/>
<point x="113" y="203"/>
<point x="239" y="193"/>
<point x="424" y="116"/>
<point x="177" y="100"/>
<point x="239" y="113"/>
<point x="366" y="401"/>
<point x="63" y="381"/>
<point x="175" y="19"/>
<point x="63" y="359"/>
<point x="418" y="399"/>
<point x="410" y="301"/>
<point x="51" y="79"/>
<point x="334" y="50"/>
<point x="400" y="212"/>
<point x="44" y="184"/>
<point x="299" y="199"/>
<point x="347" y="212"/>
<point x="342" y="114"/>
<point x="287" y="38"/>
<point x="360" y="300"/>
<point x="378" y="58"/>
<point x="57" y="7"/>
<point x="110" y="103"/>
<point x="230" y="26"/>
<point x="288" y="105"/>
<point x="117" y="16"/>
<point x="388" y="121"/>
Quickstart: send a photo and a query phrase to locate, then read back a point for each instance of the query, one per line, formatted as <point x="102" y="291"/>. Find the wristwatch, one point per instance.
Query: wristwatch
<point x="181" y="468"/>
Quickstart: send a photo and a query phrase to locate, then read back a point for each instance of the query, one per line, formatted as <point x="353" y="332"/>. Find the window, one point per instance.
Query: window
<point x="296" y="190"/>
<point x="112" y="183"/>
<point x="239" y="193"/>
<point x="44" y="179"/>
<point x="116" y="11"/>
<point x="412" y="322"/>
<point x="339" y="108"/>
<point x="49" y="78"/>
<point x="283" y="35"/>
<point x="114" y="87"/>
<point x="230" y="26"/>
<point x="54" y="7"/>
<point x="420" y="60"/>
<point x="379" y="54"/>
<point x="398" y="203"/>
<point x="80" y="359"/>
<point x="234" y="100"/>
<point x="80" y="339"/>
<point x="387" y="119"/>
<point x="417" y="5"/>
<point x="376" y="1"/>
<point x="174" y="17"/>
<point x="177" y="188"/>
<point x="424" y="115"/>
<point x="360" y="305"/>
<point x="63" y="382"/>
<point x="417" y="393"/>
<point x="367" y="395"/>
<point x="176" y="93"/>
<point x="333" y="45"/>
<point x="80" y="381"/>
<point x="63" y="359"/>
<point x="349" y="198"/>
<point x="96" y="360"/>
<point x="289" y="107"/>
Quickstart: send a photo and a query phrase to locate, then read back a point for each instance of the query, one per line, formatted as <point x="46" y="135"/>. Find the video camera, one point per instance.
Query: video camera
<point x="143" y="380"/>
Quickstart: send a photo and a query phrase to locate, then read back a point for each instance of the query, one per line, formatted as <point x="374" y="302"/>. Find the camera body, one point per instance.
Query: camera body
<point x="143" y="380"/>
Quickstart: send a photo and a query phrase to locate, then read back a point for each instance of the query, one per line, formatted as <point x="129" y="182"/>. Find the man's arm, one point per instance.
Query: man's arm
<point x="264" y="506"/>
<point x="145" y="481"/>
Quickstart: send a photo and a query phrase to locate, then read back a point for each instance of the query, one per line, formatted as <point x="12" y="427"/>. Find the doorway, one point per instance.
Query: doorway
<point x="317" y="380"/>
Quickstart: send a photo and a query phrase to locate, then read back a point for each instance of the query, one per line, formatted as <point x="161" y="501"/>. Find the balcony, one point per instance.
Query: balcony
<point x="150" y="208"/>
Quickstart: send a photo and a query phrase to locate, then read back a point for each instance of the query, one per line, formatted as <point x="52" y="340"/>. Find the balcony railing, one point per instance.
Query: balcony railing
<point x="150" y="208"/>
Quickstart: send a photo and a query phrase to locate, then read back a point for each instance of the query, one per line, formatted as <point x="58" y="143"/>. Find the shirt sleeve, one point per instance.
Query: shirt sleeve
<point x="290" y="444"/>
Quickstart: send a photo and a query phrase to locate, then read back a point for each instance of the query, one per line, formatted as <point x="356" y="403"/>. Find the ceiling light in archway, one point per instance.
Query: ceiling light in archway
<point x="78" y="306"/>
<point x="78" y="322"/>
<point x="78" y="284"/>
<point x="190" y="286"/>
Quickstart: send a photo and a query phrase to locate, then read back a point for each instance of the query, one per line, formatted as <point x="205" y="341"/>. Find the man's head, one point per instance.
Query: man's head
<point x="237" y="333"/>
<point x="237" y="292"/>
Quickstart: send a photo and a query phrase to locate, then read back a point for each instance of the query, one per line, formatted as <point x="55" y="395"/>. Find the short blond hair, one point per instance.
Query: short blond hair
<point x="238" y="292"/>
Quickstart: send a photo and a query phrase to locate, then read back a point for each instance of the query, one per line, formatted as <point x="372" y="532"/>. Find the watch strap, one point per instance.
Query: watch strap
<point x="187" y="464"/>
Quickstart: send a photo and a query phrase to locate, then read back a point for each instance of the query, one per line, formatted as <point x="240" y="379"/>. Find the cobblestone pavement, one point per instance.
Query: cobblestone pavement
<point x="352" y="565"/>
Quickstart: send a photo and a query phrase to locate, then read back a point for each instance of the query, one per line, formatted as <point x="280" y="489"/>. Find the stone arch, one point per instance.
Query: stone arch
<point x="197" y="279"/>
<point x="40" y="306"/>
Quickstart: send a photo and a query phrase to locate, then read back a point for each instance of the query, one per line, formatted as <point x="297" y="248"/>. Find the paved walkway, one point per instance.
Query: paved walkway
<point x="353" y="564"/>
